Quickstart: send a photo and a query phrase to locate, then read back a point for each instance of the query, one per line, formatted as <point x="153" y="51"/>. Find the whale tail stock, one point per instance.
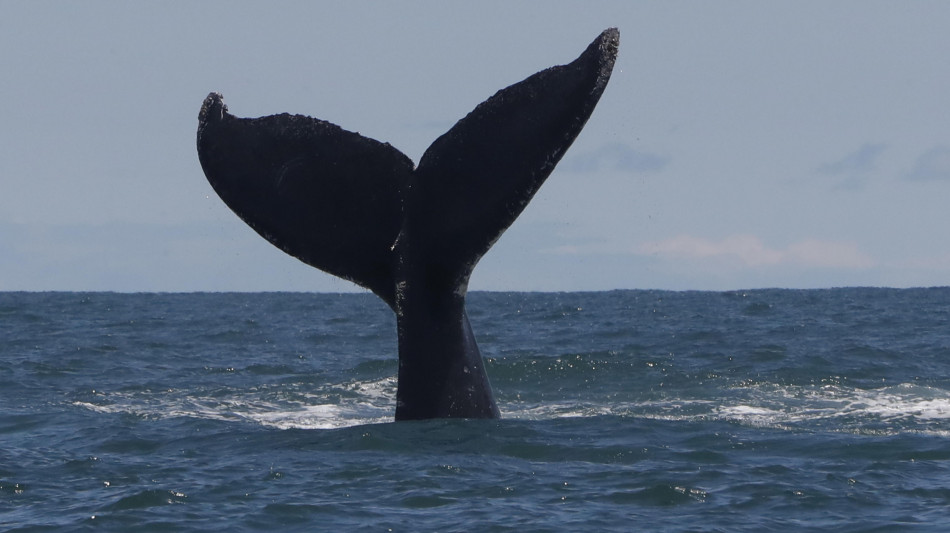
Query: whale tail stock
<point x="360" y="209"/>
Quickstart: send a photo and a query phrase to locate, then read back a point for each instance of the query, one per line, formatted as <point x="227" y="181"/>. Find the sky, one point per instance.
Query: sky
<point x="738" y="145"/>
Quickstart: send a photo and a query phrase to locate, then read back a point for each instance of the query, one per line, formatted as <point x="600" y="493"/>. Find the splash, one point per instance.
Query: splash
<point x="888" y="410"/>
<point x="335" y="406"/>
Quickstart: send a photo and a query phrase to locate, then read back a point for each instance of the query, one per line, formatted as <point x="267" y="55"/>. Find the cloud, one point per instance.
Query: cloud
<point x="861" y="161"/>
<point x="752" y="252"/>
<point x="615" y="157"/>
<point x="147" y="257"/>
<point x="939" y="262"/>
<point x="934" y="164"/>
<point x="852" y="171"/>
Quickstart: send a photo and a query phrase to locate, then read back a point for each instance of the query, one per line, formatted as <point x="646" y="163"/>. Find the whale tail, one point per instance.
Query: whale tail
<point x="359" y="209"/>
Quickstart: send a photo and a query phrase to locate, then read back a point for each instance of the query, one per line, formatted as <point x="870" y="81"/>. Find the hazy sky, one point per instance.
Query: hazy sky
<point x="738" y="144"/>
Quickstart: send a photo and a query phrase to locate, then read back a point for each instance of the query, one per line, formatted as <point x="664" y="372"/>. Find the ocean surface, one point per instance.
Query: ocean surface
<point x="791" y="410"/>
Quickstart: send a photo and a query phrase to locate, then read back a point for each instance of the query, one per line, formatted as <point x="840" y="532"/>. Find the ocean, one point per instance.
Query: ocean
<point x="781" y="410"/>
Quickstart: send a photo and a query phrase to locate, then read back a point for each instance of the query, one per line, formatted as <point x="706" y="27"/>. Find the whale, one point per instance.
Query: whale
<point x="360" y="209"/>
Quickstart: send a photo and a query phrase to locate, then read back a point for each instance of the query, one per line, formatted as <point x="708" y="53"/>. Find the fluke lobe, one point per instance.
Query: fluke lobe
<point x="359" y="209"/>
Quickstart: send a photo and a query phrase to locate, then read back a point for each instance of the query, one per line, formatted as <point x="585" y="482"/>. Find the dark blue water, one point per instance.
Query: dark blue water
<point x="629" y="410"/>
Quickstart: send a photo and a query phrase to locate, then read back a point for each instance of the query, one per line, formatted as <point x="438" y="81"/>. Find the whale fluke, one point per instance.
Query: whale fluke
<point x="359" y="209"/>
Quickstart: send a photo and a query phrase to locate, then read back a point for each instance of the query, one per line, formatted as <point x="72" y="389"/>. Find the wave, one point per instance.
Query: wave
<point x="884" y="410"/>
<point x="887" y="410"/>
<point x="343" y="405"/>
